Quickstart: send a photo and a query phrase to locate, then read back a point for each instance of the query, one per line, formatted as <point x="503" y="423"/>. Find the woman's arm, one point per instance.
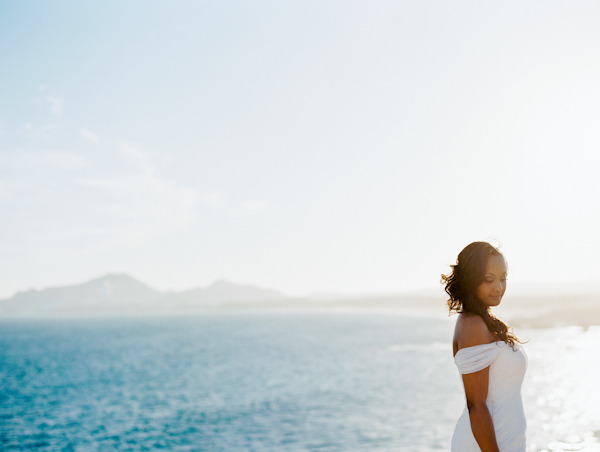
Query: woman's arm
<point x="476" y="388"/>
<point x="474" y="331"/>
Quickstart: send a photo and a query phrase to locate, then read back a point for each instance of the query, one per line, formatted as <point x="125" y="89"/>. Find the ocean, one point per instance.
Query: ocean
<point x="272" y="381"/>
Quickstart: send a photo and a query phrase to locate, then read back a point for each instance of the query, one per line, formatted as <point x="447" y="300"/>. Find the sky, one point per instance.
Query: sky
<point x="315" y="146"/>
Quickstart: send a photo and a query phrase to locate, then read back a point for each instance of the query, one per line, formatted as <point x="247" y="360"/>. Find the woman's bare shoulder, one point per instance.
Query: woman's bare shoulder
<point x="471" y="330"/>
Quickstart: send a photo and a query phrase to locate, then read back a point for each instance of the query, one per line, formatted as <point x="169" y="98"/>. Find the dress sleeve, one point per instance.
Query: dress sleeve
<point x="476" y="358"/>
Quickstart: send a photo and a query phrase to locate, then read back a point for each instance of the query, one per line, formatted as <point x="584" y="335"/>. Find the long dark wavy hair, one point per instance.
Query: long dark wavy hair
<point x="463" y="280"/>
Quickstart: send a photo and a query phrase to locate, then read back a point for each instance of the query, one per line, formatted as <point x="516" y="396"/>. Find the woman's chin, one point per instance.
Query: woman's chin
<point x="495" y="301"/>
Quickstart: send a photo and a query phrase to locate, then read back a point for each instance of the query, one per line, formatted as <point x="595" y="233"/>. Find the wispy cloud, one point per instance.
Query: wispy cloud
<point x="127" y="204"/>
<point x="140" y="206"/>
<point x="88" y="135"/>
<point x="216" y="200"/>
<point x="255" y="205"/>
<point x="64" y="160"/>
<point x="134" y="154"/>
<point x="56" y="105"/>
<point x="137" y="204"/>
<point x="24" y="193"/>
<point x="60" y="160"/>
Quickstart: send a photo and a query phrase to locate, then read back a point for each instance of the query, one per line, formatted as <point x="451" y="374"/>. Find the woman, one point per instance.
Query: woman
<point x="492" y="365"/>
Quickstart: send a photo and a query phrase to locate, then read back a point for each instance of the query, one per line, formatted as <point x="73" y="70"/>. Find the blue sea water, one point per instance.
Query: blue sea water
<point x="238" y="381"/>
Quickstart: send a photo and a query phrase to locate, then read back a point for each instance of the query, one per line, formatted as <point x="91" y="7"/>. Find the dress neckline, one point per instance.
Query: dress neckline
<point x="474" y="346"/>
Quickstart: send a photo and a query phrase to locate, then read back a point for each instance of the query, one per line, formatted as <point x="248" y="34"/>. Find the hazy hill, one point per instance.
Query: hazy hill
<point x="550" y="310"/>
<point x="224" y="292"/>
<point x="122" y="294"/>
<point x="109" y="293"/>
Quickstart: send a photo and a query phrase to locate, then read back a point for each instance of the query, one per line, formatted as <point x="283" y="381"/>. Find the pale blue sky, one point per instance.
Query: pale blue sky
<point x="303" y="146"/>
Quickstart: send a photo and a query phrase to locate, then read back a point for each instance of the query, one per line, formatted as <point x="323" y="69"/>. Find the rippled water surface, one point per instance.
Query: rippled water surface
<point x="270" y="382"/>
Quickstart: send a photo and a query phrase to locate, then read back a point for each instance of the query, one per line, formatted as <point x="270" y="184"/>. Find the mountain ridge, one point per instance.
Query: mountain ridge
<point x="116" y="294"/>
<point x="121" y="293"/>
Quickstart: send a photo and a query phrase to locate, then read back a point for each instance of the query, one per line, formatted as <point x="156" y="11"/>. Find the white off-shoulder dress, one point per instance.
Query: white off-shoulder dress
<point x="507" y="369"/>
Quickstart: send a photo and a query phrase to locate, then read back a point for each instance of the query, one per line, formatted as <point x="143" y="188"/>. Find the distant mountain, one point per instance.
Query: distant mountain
<point x="226" y="292"/>
<point x="122" y="294"/>
<point x="109" y="293"/>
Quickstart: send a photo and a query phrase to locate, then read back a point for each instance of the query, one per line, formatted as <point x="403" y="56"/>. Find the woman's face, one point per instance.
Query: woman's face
<point x="491" y="290"/>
